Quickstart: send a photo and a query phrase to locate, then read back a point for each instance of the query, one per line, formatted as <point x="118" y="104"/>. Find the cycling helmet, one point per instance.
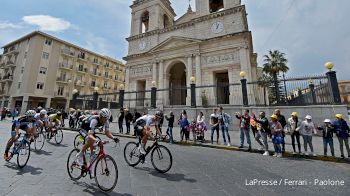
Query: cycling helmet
<point x="30" y="113"/>
<point x="87" y="112"/>
<point x="159" y="114"/>
<point x="43" y="112"/>
<point x="59" y="113"/>
<point x="105" y="112"/>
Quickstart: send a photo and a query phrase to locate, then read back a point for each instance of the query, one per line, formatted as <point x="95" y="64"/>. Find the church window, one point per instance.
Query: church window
<point x="216" y="5"/>
<point x="144" y="22"/>
<point x="166" y="21"/>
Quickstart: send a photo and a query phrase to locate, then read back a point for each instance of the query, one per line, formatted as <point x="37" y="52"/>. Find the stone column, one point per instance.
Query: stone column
<point x="154" y="72"/>
<point x="166" y="86"/>
<point x="198" y="79"/>
<point x="24" y="104"/>
<point x="48" y="102"/>
<point x="188" y="82"/>
<point x="161" y="84"/>
<point x="127" y="86"/>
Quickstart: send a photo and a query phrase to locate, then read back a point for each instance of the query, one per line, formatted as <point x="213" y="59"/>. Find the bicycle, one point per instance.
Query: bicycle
<point x="57" y="133"/>
<point x="101" y="160"/>
<point x="22" y="150"/>
<point x="80" y="139"/>
<point x="158" y="153"/>
<point x="39" y="139"/>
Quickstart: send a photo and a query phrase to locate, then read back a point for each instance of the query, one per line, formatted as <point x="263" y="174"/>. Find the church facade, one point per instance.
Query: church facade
<point x="209" y="46"/>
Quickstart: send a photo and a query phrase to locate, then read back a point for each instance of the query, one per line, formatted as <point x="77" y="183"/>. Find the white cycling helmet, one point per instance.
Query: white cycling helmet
<point x="105" y="112"/>
<point x="308" y="117"/>
<point x="43" y="112"/>
<point x="30" y="113"/>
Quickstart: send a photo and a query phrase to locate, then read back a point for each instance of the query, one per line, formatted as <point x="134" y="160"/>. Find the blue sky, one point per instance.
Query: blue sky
<point x="310" y="32"/>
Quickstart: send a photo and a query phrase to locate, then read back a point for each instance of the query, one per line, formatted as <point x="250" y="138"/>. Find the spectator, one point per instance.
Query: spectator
<point x="169" y="131"/>
<point x="276" y="131"/>
<point x="327" y="134"/>
<point x="3" y="113"/>
<point x="244" y="121"/>
<point x="128" y="120"/>
<point x="201" y="121"/>
<point x="293" y="128"/>
<point x="182" y="115"/>
<point x="184" y="125"/>
<point x="307" y="128"/>
<point x="14" y="113"/>
<point x="120" y="120"/>
<point x="262" y="125"/>
<point x="342" y="131"/>
<point x="78" y="114"/>
<point x="253" y="124"/>
<point x="282" y="120"/>
<point x="224" y="121"/>
<point x="214" y="123"/>
<point x="137" y="115"/>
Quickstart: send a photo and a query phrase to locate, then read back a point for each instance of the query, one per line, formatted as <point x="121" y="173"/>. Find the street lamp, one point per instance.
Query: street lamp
<point x="96" y="89"/>
<point x="329" y="65"/>
<point x="75" y="91"/>
<point x="121" y="87"/>
<point x="154" y="84"/>
<point x="192" y="79"/>
<point x="193" y="92"/>
<point x="242" y="74"/>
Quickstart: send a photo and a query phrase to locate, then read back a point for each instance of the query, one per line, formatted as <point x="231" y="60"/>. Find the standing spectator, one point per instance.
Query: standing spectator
<point x="342" y="131"/>
<point x="137" y="115"/>
<point x="281" y="119"/>
<point x="224" y="121"/>
<point x="182" y="115"/>
<point x="253" y="124"/>
<point x="327" y="134"/>
<point x="78" y="114"/>
<point x="169" y="131"/>
<point x="14" y="113"/>
<point x="201" y="121"/>
<point x="294" y="127"/>
<point x="128" y="120"/>
<point x="214" y="123"/>
<point x="307" y="128"/>
<point x="276" y="131"/>
<point x="262" y="125"/>
<point x="244" y="121"/>
<point x="184" y="125"/>
<point x="3" y="113"/>
<point x="120" y="120"/>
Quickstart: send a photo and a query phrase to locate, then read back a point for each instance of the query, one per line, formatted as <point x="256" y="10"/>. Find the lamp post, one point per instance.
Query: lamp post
<point x="121" y="95"/>
<point x="193" y="91"/>
<point x="75" y="94"/>
<point x="154" y="94"/>
<point x="332" y="79"/>
<point x="244" y="88"/>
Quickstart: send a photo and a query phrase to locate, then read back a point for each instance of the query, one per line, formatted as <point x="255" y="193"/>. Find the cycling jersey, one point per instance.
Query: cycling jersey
<point x="55" y="117"/>
<point x="93" y="122"/>
<point x="147" y="121"/>
<point x="22" y="123"/>
<point x="43" y="119"/>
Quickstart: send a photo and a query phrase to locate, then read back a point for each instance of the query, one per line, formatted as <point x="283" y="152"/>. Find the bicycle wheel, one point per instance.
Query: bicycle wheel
<point x="79" y="141"/>
<point x="161" y="158"/>
<point x="59" y="136"/>
<point x="132" y="154"/>
<point x="39" y="142"/>
<point x="106" y="173"/>
<point x="73" y="169"/>
<point x="23" y="154"/>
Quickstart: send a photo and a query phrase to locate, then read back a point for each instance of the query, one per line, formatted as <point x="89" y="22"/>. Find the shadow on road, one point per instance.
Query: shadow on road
<point x="42" y="152"/>
<point x="173" y="177"/>
<point x="58" y="145"/>
<point x="93" y="190"/>
<point x="27" y="169"/>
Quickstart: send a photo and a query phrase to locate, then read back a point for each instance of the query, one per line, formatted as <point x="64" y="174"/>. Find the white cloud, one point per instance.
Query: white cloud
<point x="47" y="23"/>
<point x="8" y="25"/>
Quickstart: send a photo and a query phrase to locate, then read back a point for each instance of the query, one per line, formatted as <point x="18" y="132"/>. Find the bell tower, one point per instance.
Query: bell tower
<point x="149" y="15"/>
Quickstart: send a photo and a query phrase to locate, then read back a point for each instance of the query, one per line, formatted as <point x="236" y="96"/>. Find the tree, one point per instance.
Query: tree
<point x="274" y="63"/>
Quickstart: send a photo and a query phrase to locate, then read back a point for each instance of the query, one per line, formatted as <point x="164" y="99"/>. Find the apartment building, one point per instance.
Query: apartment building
<point x="41" y="70"/>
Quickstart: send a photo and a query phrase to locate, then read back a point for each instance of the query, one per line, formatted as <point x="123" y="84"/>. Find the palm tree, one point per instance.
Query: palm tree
<point x="274" y="63"/>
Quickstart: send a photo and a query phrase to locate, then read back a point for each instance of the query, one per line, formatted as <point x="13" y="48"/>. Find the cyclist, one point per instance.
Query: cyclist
<point x="41" y="118"/>
<point x="143" y="128"/>
<point x="26" y="123"/>
<point x="54" y="119"/>
<point x="101" y="120"/>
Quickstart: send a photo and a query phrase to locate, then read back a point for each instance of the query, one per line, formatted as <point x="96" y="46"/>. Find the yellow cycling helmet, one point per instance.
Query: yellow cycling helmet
<point x="340" y="116"/>
<point x="294" y="114"/>
<point x="274" y="116"/>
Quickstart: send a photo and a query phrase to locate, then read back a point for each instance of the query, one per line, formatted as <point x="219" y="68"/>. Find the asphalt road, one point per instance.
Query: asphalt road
<point x="195" y="171"/>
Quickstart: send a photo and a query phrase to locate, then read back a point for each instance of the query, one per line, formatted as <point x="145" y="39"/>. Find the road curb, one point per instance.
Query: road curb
<point x="235" y="148"/>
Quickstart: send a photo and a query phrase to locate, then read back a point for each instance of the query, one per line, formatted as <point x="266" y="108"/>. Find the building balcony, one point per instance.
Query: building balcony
<point x="62" y="80"/>
<point x="65" y="66"/>
<point x="79" y="83"/>
<point x="67" y="52"/>
<point x="11" y="51"/>
<point x="83" y="71"/>
<point x="82" y="58"/>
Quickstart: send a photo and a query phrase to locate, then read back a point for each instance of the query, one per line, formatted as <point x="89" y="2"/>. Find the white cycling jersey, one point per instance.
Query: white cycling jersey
<point x="147" y="120"/>
<point x="43" y="119"/>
